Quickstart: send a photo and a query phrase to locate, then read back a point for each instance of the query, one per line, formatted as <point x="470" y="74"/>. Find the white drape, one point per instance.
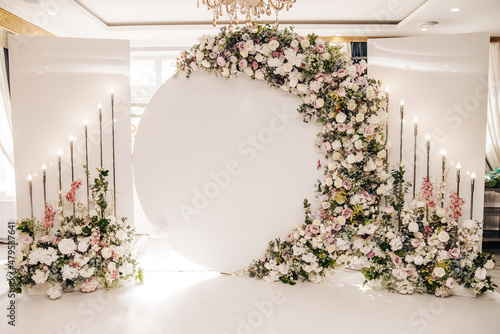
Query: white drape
<point x="5" y="114"/>
<point x="493" y="123"/>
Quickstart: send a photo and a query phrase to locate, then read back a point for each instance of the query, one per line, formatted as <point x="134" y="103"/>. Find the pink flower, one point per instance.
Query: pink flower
<point x="454" y="253"/>
<point x="300" y="38"/>
<point x="45" y="238"/>
<point x="342" y="127"/>
<point x="369" y="131"/>
<point x="336" y="226"/>
<point x="370" y="254"/>
<point x="341" y="92"/>
<point x="289" y="237"/>
<point x="442" y="291"/>
<point x="347" y="185"/>
<point x="55" y="241"/>
<point x="319" y="164"/>
<point x="312" y="229"/>
<point x="242" y="45"/>
<point x="341" y="73"/>
<point x="409" y="271"/>
<point x="48" y="220"/>
<point x="415" y="242"/>
<point x="397" y="260"/>
<point x="243" y="64"/>
<point x="389" y="209"/>
<point x="255" y="65"/>
<point x="27" y="240"/>
<point x="89" y="285"/>
<point x="193" y="66"/>
<point x="116" y="274"/>
<point x="450" y="282"/>
<point x="275" y="54"/>
<point x="71" y="195"/>
<point x="347" y="213"/>
<point x="221" y="61"/>
<point x="320" y="47"/>
<point x="327" y="146"/>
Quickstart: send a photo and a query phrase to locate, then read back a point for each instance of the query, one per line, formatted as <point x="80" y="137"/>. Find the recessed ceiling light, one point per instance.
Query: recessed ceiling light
<point x="455" y="10"/>
<point x="147" y="36"/>
<point x="338" y="35"/>
<point x="424" y="29"/>
<point x="426" y="25"/>
<point x="51" y="13"/>
<point x="82" y="32"/>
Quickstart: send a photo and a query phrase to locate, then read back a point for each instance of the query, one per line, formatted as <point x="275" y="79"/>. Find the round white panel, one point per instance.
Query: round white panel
<point x="225" y="166"/>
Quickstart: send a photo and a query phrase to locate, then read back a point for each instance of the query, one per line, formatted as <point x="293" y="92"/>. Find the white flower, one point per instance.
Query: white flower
<point x="326" y="55"/>
<point x="126" y="269"/>
<point x="205" y="63"/>
<point x="66" y="246"/>
<point x="305" y="43"/>
<point x="443" y="236"/>
<point x="440" y="212"/>
<point x="489" y="264"/>
<point x="413" y="227"/>
<point x="338" y="183"/>
<point x="329" y="181"/>
<point x="344" y="258"/>
<point x="360" y="117"/>
<point x="78" y="229"/>
<point x="244" y="53"/>
<point x="294" y="44"/>
<point x="112" y="266"/>
<point x="301" y="88"/>
<point x="358" y="144"/>
<point x="469" y="224"/>
<point x="480" y="273"/>
<point x="319" y="103"/>
<point x="351" y="105"/>
<point x="341" y="220"/>
<point x="40" y="277"/>
<point x="249" y="71"/>
<point x="54" y="291"/>
<point x="439" y="272"/>
<point x="83" y="246"/>
<point x="106" y="253"/>
<point x="396" y="244"/>
<point x="69" y="272"/>
<point x="87" y="271"/>
<point x="273" y="45"/>
<point x="316" y="222"/>
<point x="199" y="56"/>
<point x="121" y="235"/>
<point x="341" y="117"/>
<point x="399" y="274"/>
<point x="259" y="75"/>
<point x="418" y="260"/>
<point x="331" y="166"/>
<point x="351" y="158"/>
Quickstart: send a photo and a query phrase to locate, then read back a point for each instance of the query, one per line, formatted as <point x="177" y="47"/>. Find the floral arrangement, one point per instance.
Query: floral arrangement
<point x="429" y="251"/>
<point x="492" y="179"/>
<point x="352" y="110"/>
<point x="90" y="249"/>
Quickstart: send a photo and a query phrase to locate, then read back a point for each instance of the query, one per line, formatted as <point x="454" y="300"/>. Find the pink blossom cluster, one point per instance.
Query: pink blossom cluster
<point x="428" y="192"/>
<point x="48" y="220"/>
<point x="456" y="204"/>
<point x="71" y="195"/>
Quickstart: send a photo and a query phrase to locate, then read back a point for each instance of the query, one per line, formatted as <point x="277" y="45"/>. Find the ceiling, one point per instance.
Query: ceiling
<point x="174" y="25"/>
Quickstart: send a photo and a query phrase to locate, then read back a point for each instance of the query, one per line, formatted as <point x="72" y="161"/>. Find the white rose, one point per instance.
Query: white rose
<point x="413" y="227"/>
<point x="294" y="44"/>
<point x="344" y="258"/>
<point x="331" y="166"/>
<point x="396" y="244"/>
<point x="351" y="105"/>
<point x="439" y="272"/>
<point x="112" y="266"/>
<point x="40" y="277"/>
<point x="259" y="57"/>
<point x="249" y="71"/>
<point x="338" y="183"/>
<point x="244" y="53"/>
<point x="341" y="220"/>
<point x="469" y="224"/>
<point x="205" y="63"/>
<point x="66" y="246"/>
<point x="78" y="230"/>
<point x="489" y="264"/>
<point x="409" y="258"/>
<point x="418" y="260"/>
<point x="273" y="45"/>
<point x="319" y="103"/>
<point x="443" y="236"/>
<point x="480" y="273"/>
<point x="54" y="291"/>
<point x="83" y="246"/>
<point x="351" y="158"/>
<point x="287" y="67"/>
<point x="199" y="56"/>
<point x="440" y="212"/>
<point x="305" y="43"/>
<point x="301" y="88"/>
<point x="106" y="253"/>
<point x="259" y="75"/>
<point x="358" y="144"/>
<point x="329" y="181"/>
<point x="326" y="56"/>
<point x="360" y="117"/>
<point x="341" y="117"/>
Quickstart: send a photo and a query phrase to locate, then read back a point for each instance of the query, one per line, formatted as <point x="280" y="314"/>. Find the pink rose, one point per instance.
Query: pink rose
<point x="454" y="253"/>
<point x="289" y="237"/>
<point x="341" y="92"/>
<point x="320" y="47"/>
<point x="336" y="226"/>
<point x="370" y="254"/>
<point x="409" y="271"/>
<point x="27" y="241"/>
<point x="89" y="285"/>
<point x="300" y="38"/>
<point x="450" y="282"/>
<point x="312" y="229"/>
<point x="275" y="54"/>
<point x="341" y="73"/>
<point x="243" y="64"/>
<point x="389" y="209"/>
<point x="347" y="213"/>
<point x="45" y="238"/>
<point x="342" y="127"/>
<point x="397" y="260"/>
<point x="369" y="131"/>
<point x="327" y="146"/>
<point x="415" y="242"/>
<point x="242" y="45"/>
<point x="193" y="66"/>
<point x="255" y="65"/>
<point x="221" y="61"/>
<point x="442" y="292"/>
<point x="347" y="185"/>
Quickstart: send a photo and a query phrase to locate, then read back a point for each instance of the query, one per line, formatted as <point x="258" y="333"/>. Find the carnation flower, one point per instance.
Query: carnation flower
<point x="27" y="240"/>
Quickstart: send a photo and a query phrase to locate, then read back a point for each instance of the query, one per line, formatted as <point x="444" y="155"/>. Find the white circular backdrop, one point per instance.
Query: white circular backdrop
<point x="225" y="166"/>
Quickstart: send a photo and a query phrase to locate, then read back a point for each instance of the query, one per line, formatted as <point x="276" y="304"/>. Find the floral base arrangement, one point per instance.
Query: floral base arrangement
<point x="90" y="249"/>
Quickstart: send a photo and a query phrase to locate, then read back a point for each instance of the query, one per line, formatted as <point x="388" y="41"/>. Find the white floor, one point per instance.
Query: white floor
<point x="202" y="301"/>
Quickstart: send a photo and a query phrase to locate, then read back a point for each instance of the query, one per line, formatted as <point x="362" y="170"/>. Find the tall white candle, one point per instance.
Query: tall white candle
<point x="30" y="185"/>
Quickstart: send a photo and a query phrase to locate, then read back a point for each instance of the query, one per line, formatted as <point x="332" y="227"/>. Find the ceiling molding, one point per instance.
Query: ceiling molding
<point x="16" y="25"/>
<point x="415" y="13"/>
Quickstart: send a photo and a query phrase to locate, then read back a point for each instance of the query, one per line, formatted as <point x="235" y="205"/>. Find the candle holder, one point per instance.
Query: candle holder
<point x="85" y="126"/>
<point x="428" y="144"/>
<point x="30" y="186"/>
<point x="59" y="166"/>
<point x="459" y="168"/>
<point x="113" y="145"/>
<point x="44" y="180"/>
<point x="401" y="111"/>
<point x="71" y="140"/>
<point x="443" y="172"/>
<point x="473" y="181"/>
<point x="415" y="134"/>
<point x="99" y="106"/>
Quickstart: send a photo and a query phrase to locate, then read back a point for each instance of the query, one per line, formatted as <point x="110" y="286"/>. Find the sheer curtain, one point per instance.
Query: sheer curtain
<point x="5" y="114"/>
<point x="493" y="123"/>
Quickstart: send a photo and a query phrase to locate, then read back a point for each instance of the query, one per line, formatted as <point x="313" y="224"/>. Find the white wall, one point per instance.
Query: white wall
<point x="443" y="81"/>
<point x="57" y="83"/>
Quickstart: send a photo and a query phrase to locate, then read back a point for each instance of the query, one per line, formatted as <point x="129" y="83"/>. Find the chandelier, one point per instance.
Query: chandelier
<point x="252" y="9"/>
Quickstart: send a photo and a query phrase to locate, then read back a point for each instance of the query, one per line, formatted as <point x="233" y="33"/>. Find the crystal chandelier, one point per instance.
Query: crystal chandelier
<point x="252" y="9"/>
